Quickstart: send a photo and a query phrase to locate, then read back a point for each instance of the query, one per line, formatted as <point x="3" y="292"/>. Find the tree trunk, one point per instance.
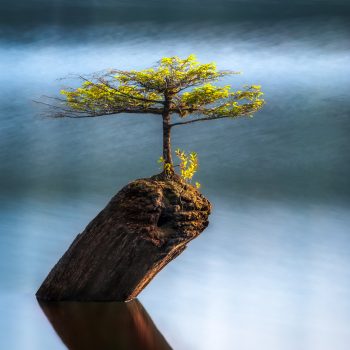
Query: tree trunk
<point x="166" y="140"/>
<point x="146" y="225"/>
<point x="166" y="135"/>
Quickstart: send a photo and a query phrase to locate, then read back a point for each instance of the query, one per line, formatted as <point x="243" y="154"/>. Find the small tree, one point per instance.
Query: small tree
<point x="174" y="86"/>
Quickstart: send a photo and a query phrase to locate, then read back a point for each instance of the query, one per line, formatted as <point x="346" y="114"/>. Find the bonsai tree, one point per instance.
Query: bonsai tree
<point x="175" y="86"/>
<point x="147" y="224"/>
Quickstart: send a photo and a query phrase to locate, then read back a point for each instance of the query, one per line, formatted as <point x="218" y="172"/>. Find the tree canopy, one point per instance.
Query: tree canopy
<point x="180" y="86"/>
<point x="118" y="91"/>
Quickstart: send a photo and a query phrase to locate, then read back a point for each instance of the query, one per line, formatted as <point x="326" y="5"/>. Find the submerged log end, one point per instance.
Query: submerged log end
<point x="145" y="226"/>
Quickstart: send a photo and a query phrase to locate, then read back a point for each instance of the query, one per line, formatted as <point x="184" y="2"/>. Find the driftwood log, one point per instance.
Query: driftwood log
<point x="145" y="226"/>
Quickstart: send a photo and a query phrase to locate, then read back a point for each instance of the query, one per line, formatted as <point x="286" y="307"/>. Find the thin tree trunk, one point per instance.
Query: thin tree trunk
<point x="166" y="140"/>
<point x="166" y="134"/>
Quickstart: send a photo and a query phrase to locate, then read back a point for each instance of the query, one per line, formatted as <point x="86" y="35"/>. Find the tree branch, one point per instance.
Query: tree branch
<point x="135" y="81"/>
<point x="72" y="116"/>
<point x="208" y="118"/>
<point x="104" y="82"/>
<point x="61" y="112"/>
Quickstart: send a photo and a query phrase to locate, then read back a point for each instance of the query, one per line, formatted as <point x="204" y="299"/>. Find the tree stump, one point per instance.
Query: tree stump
<point x="145" y="226"/>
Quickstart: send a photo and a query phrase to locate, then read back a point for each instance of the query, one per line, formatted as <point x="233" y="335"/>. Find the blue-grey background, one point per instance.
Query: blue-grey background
<point x="272" y="270"/>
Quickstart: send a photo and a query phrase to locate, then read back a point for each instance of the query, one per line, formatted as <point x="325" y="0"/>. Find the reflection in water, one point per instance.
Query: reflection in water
<point x="109" y="325"/>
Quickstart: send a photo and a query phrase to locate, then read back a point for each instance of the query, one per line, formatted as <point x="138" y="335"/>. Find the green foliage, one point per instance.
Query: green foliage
<point x="168" y="168"/>
<point x="188" y="165"/>
<point x="146" y="91"/>
<point x="105" y="98"/>
<point x="171" y="74"/>
<point x="204" y="95"/>
<point x="174" y="86"/>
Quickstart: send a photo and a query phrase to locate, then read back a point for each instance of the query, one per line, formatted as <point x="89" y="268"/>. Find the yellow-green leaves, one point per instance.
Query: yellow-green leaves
<point x="102" y="97"/>
<point x="211" y="100"/>
<point x="168" y="167"/>
<point x="242" y="103"/>
<point x="188" y="164"/>
<point x="172" y="74"/>
<point x="204" y="95"/>
<point x="250" y="93"/>
<point x="174" y="86"/>
<point x="183" y="81"/>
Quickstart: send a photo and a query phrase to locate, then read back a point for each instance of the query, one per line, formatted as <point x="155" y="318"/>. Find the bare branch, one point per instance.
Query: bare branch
<point x="73" y="113"/>
<point x="73" y="116"/>
<point x="57" y="107"/>
<point x="210" y="118"/>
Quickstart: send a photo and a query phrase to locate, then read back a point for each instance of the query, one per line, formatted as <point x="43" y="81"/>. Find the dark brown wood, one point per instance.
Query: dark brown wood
<point x="112" y="325"/>
<point x="166" y="141"/>
<point x="146" y="225"/>
<point x="166" y="131"/>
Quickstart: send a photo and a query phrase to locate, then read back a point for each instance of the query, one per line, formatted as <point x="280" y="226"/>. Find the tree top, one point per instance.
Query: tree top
<point x="181" y="86"/>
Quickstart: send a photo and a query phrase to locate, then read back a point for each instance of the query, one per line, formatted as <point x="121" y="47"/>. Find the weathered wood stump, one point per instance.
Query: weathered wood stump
<point x="145" y="226"/>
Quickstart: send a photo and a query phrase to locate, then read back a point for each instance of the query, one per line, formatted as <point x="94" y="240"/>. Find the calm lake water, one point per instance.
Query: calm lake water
<point x="272" y="271"/>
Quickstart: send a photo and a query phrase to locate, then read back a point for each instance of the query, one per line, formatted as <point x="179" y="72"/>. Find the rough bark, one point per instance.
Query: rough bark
<point x="145" y="226"/>
<point x="91" y="326"/>
<point x="167" y="130"/>
<point x="166" y="142"/>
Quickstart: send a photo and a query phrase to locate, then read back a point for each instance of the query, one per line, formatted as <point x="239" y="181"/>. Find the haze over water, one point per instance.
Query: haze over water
<point x="272" y="269"/>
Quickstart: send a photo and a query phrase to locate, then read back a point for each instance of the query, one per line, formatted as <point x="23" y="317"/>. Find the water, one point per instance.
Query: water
<point x="272" y="269"/>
